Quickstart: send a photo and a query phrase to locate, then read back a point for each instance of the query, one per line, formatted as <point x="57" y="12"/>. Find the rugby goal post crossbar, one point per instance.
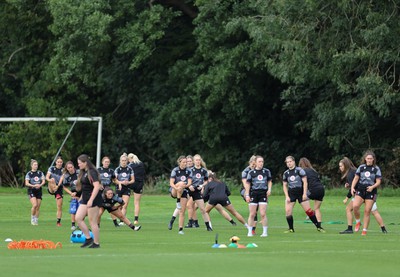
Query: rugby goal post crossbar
<point x="99" y="119"/>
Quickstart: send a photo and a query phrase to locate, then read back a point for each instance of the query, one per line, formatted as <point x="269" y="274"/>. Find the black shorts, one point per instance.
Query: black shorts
<point x="58" y="193"/>
<point x="317" y="194"/>
<point x="111" y="209"/>
<point x="196" y="194"/>
<point x="366" y="195"/>
<point x="137" y="187"/>
<point x="98" y="200"/>
<point x="35" y="193"/>
<point x="296" y="194"/>
<point x="223" y="202"/>
<point x="124" y="191"/>
<point x="258" y="196"/>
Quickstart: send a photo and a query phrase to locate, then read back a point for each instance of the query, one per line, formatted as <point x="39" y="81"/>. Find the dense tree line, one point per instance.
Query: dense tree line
<point x="224" y="78"/>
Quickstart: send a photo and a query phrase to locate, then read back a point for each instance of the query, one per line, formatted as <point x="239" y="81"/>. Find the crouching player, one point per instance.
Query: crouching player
<point x="113" y="204"/>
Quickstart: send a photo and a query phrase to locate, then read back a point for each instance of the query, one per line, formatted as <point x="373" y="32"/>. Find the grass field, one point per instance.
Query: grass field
<point x="155" y="251"/>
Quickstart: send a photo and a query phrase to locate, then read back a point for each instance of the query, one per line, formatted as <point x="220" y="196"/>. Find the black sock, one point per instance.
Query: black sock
<point x="136" y="218"/>
<point x="131" y="226"/>
<point x="58" y="220"/>
<point x="253" y="228"/>
<point x="173" y="219"/>
<point x="383" y="228"/>
<point x="178" y="200"/>
<point x="232" y="221"/>
<point x="180" y="229"/>
<point x="73" y="224"/>
<point x="350" y="227"/>
<point x="207" y="224"/>
<point x="190" y="221"/>
<point x="314" y="220"/>
<point x="289" y="220"/>
<point x="255" y="218"/>
<point x="319" y="224"/>
<point x="196" y="221"/>
<point x="115" y="222"/>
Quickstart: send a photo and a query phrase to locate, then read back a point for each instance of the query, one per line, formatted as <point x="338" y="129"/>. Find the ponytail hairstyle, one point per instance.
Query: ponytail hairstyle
<point x="132" y="158"/>
<point x="123" y="156"/>
<point x="213" y="176"/>
<point x="180" y="159"/>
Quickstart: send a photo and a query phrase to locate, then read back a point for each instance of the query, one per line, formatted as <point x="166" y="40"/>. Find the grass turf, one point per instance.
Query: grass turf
<point x="155" y="250"/>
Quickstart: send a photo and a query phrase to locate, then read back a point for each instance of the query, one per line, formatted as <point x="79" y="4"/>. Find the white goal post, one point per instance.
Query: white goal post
<point x="99" y="119"/>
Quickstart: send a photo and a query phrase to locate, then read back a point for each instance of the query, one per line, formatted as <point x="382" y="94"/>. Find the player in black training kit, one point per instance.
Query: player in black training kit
<point x="258" y="189"/>
<point x="69" y="180"/>
<point x="179" y="182"/>
<point x="91" y="200"/>
<point x="367" y="179"/>
<point x="124" y="178"/>
<point x="316" y="190"/>
<point x="113" y="204"/>
<point x="55" y="188"/>
<point x="34" y="180"/>
<point x="137" y="187"/>
<point x="216" y="193"/>
<point x="295" y="188"/>
<point x="107" y="178"/>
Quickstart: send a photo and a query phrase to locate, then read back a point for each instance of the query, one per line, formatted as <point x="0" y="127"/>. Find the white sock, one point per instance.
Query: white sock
<point x="265" y="229"/>
<point x="358" y="220"/>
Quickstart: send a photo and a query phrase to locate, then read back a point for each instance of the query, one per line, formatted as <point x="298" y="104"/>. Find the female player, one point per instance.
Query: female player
<point x="69" y="179"/>
<point x="34" y="180"/>
<point x="113" y="204"/>
<point x="55" y="187"/>
<point x="180" y="180"/>
<point x="199" y="180"/>
<point x="124" y="177"/>
<point x="137" y="187"/>
<point x="192" y="214"/>
<point x="245" y="172"/>
<point x="348" y="171"/>
<point x="91" y="200"/>
<point x="295" y="188"/>
<point x="368" y="178"/>
<point x="316" y="190"/>
<point x="106" y="173"/>
<point x="216" y="193"/>
<point x="107" y="178"/>
<point x="258" y="188"/>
